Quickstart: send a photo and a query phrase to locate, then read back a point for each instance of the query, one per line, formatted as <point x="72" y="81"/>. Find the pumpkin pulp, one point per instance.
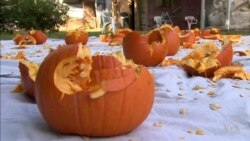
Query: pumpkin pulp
<point x="85" y="73"/>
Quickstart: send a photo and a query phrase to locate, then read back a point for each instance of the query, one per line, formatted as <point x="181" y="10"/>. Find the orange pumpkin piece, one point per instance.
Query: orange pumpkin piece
<point x="92" y="95"/>
<point x="210" y="33"/>
<point x="214" y="30"/>
<point x="207" y="58"/>
<point x="232" y="38"/>
<point x="20" y="56"/>
<point x="148" y="49"/>
<point x="187" y="38"/>
<point x="235" y="72"/>
<point x="197" y="32"/>
<point x="39" y="36"/>
<point x="28" y="71"/>
<point x="105" y="38"/>
<point x="171" y="61"/>
<point x="77" y="36"/>
<point x="23" y="39"/>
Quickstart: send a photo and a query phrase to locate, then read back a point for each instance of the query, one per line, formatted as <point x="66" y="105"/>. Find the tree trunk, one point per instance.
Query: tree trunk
<point x="89" y="13"/>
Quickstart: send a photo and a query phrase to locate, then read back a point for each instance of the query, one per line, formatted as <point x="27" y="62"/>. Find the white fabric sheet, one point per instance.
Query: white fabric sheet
<point x="22" y="121"/>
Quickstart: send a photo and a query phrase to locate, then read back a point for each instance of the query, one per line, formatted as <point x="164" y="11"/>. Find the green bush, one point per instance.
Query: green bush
<point x="32" y="14"/>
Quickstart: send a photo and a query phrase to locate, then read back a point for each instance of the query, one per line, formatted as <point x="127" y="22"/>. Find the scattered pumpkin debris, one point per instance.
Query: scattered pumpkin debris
<point x="198" y="88"/>
<point x="211" y="93"/>
<point x="215" y="106"/>
<point x="199" y="132"/>
<point x="158" y="124"/>
<point x="18" y="89"/>
<point x="183" y="111"/>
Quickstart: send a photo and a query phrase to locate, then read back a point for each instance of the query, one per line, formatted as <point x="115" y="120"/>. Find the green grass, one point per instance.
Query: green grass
<point x="240" y="32"/>
<point x="58" y="35"/>
<point x="61" y="34"/>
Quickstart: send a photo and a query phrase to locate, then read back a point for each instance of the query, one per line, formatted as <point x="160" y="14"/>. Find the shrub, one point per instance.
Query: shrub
<point x="32" y="14"/>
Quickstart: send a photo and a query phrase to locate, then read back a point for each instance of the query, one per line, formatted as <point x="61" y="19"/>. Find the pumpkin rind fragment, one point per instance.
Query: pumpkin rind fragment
<point x="28" y="71"/>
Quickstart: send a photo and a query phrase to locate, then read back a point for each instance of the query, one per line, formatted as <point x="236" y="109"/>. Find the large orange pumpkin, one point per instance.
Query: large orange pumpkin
<point x="23" y="39"/>
<point x="92" y="96"/>
<point x="39" y="36"/>
<point x="77" y="36"/>
<point x="147" y="49"/>
<point x="207" y="58"/>
<point x="28" y="72"/>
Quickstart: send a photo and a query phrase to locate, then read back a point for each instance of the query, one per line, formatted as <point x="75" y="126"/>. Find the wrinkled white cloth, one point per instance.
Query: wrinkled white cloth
<point x="174" y="92"/>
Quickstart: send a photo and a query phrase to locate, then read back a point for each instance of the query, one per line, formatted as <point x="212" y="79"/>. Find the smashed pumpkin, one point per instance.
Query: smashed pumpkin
<point x="28" y="71"/>
<point x="92" y="95"/>
<point x="23" y="39"/>
<point x="39" y="36"/>
<point x="77" y="36"/>
<point x="145" y="49"/>
<point x="207" y="58"/>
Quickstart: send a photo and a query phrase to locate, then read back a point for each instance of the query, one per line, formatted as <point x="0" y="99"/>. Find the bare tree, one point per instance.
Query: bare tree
<point x="116" y="13"/>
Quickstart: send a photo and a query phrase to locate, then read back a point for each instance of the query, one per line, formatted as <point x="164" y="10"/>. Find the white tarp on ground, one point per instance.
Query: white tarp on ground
<point x="22" y="121"/>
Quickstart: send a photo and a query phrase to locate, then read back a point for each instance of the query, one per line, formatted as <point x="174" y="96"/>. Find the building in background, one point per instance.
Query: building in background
<point x="142" y="14"/>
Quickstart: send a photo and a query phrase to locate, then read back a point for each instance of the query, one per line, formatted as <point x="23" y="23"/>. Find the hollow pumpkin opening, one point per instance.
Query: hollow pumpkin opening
<point x="97" y="74"/>
<point x="71" y="74"/>
<point x="155" y="37"/>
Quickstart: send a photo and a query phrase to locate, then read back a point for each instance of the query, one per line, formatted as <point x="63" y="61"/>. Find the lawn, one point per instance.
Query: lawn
<point x="58" y="35"/>
<point x="61" y="35"/>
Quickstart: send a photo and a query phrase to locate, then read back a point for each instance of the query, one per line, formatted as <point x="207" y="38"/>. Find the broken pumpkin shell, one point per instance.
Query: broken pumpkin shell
<point x="173" y="40"/>
<point x="39" y="36"/>
<point x="207" y="58"/>
<point x="148" y="49"/>
<point x="23" y="39"/>
<point x="77" y="36"/>
<point x="28" y="71"/>
<point x="92" y="96"/>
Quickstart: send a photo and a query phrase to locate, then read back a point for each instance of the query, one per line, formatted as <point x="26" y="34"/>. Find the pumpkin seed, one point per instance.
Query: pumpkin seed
<point x="215" y="106"/>
<point x="199" y="132"/>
